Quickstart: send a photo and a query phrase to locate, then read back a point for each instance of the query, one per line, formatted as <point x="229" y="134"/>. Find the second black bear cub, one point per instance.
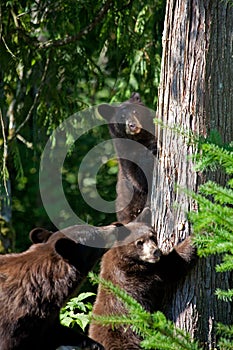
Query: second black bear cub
<point x="140" y="268"/>
<point x="35" y="284"/>
<point x="133" y="131"/>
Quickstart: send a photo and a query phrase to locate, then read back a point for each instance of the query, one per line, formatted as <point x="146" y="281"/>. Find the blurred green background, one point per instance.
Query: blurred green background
<point x="58" y="58"/>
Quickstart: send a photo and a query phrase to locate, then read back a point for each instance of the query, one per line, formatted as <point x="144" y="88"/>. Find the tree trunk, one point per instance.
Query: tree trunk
<point x="195" y="95"/>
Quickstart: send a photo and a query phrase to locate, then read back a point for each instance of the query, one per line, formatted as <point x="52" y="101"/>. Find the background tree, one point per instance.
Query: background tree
<point x="195" y="96"/>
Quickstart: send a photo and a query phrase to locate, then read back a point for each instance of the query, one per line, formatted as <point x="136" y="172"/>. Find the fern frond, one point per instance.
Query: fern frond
<point x="213" y="223"/>
<point x="187" y="134"/>
<point x="211" y="214"/>
<point x="219" y="241"/>
<point x="225" y="295"/>
<point x="226" y="265"/>
<point x="112" y="320"/>
<point x="227" y="331"/>
<point x="225" y="344"/>
<point x="222" y="195"/>
<point x="156" y="331"/>
<point x="214" y="156"/>
<point x="120" y="293"/>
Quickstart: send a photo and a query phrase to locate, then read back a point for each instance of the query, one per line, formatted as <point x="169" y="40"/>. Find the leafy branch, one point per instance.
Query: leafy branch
<point x="70" y="315"/>
<point x="213" y="224"/>
<point x="36" y="98"/>
<point x="78" y="36"/>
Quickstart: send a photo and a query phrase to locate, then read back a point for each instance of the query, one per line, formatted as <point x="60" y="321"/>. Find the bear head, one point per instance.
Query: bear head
<point x="131" y="119"/>
<point x="79" y="245"/>
<point x="83" y="245"/>
<point x="141" y="246"/>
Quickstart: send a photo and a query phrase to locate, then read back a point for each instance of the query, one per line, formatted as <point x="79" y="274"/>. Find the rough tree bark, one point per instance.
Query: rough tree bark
<point x="196" y="94"/>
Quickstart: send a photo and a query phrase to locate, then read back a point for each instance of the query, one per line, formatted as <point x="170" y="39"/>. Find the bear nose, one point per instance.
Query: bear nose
<point x="157" y="253"/>
<point x="133" y="126"/>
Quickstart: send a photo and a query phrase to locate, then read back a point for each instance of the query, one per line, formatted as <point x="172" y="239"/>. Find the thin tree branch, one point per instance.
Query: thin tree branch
<point x="74" y="38"/>
<point x="22" y="139"/>
<point x="0" y="22"/>
<point x="35" y="99"/>
<point x="5" y="153"/>
<point x="7" y="47"/>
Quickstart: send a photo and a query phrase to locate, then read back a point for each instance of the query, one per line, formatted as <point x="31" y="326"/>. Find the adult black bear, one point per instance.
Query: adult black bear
<point x="141" y="269"/>
<point x="35" y="284"/>
<point x="133" y="131"/>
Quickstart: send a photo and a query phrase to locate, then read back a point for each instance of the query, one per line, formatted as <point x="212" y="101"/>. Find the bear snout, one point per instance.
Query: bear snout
<point x="157" y="254"/>
<point x="150" y="252"/>
<point x="133" y="126"/>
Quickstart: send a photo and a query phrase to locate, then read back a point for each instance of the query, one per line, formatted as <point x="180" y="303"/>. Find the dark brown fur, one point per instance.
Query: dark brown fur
<point x="147" y="282"/>
<point x="35" y="284"/>
<point x="131" y="120"/>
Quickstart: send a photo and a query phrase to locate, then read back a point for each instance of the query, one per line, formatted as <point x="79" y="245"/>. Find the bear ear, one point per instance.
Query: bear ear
<point x="67" y="249"/>
<point x="106" y="111"/>
<point x="135" y="98"/>
<point x="81" y="256"/>
<point x="72" y="252"/>
<point x="39" y="235"/>
<point x="144" y="216"/>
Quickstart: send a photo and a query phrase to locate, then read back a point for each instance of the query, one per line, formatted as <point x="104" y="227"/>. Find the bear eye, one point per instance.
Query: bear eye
<point x="139" y="243"/>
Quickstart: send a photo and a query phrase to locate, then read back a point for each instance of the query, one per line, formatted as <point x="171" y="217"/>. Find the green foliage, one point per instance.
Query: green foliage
<point x="230" y="3"/>
<point x="214" y="156"/>
<point x="105" y="179"/>
<point x="213" y="223"/>
<point x="156" y="331"/>
<point x="69" y="315"/>
<point x="226" y="337"/>
<point x="225" y="295"/>
<point x="58" y="58"/>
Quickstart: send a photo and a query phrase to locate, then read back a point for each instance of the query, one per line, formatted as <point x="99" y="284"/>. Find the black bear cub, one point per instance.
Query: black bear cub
<point x="35" y="284"/>
<point x="140" y="268"/>
<point x="133" y="131"/>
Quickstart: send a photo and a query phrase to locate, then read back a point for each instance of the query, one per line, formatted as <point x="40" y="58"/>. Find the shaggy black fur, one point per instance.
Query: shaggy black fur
<point x="35" y="284"/>
<point x="134" y="135"/>
<point x="141" y="269"/>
